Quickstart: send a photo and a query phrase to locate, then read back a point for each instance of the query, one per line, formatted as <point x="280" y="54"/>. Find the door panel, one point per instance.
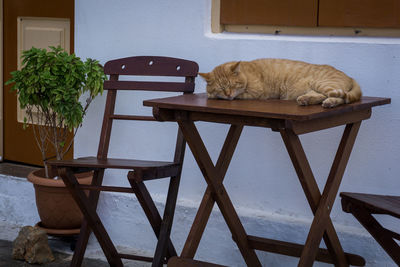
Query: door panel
<point x="40" y="33"/>
<point x="19" y="144"/>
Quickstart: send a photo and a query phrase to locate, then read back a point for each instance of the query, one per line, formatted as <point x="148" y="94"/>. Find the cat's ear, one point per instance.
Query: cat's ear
<point x="235" y="68"/>
<point x="206" y="76"/>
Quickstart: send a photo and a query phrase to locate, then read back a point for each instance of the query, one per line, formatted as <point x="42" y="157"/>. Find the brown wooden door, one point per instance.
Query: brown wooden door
<point x="19" y="144"/>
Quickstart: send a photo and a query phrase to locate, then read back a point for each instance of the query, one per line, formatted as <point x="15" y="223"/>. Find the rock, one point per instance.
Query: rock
<point x="19" y="243"/>
<point x="32" y="246"/>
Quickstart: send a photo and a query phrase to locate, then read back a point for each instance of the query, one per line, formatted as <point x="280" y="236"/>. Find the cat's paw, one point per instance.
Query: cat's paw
<point x="303" y="100"/>
<point x="331" y="102"/>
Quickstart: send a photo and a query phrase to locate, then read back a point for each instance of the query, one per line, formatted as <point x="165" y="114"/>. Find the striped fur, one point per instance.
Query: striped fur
<point x="282" y="79"/>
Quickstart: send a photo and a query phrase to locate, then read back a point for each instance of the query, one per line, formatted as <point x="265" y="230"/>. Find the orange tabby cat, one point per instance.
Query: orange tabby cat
<point x="282" y="79"/>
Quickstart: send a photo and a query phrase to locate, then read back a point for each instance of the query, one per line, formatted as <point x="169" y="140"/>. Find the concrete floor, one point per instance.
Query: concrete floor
<point x="61" y="259"/>
<point x="17" y="170"/>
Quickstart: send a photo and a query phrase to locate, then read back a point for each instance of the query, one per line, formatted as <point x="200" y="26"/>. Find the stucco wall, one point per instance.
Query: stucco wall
<point x="261" y="180"/>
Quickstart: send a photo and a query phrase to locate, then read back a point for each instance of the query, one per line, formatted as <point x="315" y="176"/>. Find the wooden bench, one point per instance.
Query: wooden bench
<point x="362" y="206"/>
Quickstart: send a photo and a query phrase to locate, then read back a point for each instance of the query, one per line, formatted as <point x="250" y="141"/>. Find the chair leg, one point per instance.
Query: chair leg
<point x="166" y="224"/>
<point x="380" y="234"/>
<point x="92" y="217"/>
<point x="85" y="231"/>
<point x="151" y="212"/>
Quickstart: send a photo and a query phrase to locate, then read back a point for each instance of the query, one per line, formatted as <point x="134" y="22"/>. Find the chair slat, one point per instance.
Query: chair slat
<point x="117" y="189"/>
<point x="149" y="86"/>
<point x="152" y="66"/>
<point x="132" y="117"/>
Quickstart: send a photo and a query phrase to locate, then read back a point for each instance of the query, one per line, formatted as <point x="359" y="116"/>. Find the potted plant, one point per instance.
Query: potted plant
<point x="49" y="87"/>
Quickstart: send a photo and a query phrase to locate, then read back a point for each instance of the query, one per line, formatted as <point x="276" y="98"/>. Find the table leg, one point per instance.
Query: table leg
<point x="329" y="194"/>
<point x="310" y="188"/>
<point x="220" y="195"/>
<point x="313" y="194"/>
<point x="207" y="203"/>
<point x="91" y="216"/>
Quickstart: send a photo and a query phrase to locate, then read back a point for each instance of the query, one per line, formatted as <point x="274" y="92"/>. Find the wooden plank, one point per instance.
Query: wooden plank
<point x="325" y="123"/>
<point x="132" y="117"/>
<point x="149" y="86"/>
<point x="152" y="66"/>
<point x="106" y="188"/>
<point x="244" y="120"/>
<point x="181" y="262"/>
<point x="298" y="127"/>
<point x="359" y="13"/>
<point x="315" y="31"/>
<point x="294" y="250"/>
<point x="271" y="109"/>
<point x="163" y="114"/>
<point x="106" y="127"/>
<point x="145" y="174"/>
<point x="380" y="204"/>
<point x="272" y="12"/>
<point x="114" y="163"/>
<point x="135" y="257"/>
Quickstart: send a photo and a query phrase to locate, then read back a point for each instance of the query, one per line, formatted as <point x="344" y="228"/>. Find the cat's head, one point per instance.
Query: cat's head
<point x="225" y="81"/>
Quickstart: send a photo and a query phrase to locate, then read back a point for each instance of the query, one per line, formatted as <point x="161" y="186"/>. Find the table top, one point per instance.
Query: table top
<point x="274" y="108"/>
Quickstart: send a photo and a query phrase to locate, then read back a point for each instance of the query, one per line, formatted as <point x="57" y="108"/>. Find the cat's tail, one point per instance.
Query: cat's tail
<point x="354" y="94"/>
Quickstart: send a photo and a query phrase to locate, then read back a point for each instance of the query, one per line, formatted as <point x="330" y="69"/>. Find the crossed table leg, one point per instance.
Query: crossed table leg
<point x="321" y="227"/>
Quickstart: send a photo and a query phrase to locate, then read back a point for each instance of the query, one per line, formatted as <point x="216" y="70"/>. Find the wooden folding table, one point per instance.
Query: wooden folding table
<point x="291" y="121"/>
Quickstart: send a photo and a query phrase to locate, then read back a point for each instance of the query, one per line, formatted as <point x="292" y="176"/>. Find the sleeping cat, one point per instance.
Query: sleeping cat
<point x="306" y="83"/>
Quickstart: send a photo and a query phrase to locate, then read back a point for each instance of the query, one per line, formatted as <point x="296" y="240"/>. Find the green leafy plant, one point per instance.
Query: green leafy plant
<point x="49" y="87"/>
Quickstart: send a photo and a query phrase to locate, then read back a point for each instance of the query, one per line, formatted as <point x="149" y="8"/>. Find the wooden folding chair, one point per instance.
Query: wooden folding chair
<point x="363" y="206"/>
<point x="138" y="170"/>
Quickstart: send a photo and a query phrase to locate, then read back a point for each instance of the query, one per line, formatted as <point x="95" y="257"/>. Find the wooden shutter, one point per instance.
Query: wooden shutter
<point x="359" y="13"/>
<point x="269" y="12"/>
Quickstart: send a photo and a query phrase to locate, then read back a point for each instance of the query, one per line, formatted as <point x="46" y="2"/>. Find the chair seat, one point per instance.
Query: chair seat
<point x="113" y="163"/>
<point x="378" y="204"/>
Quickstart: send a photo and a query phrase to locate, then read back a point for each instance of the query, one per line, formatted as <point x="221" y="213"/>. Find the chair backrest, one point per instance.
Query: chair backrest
<point x="143" y="66"/>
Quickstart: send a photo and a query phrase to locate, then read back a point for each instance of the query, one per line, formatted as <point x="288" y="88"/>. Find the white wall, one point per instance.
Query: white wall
<point x="261" y="180"/>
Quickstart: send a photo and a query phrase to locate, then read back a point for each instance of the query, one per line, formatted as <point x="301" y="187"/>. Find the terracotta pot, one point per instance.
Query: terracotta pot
<point x="56" y="207"/>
